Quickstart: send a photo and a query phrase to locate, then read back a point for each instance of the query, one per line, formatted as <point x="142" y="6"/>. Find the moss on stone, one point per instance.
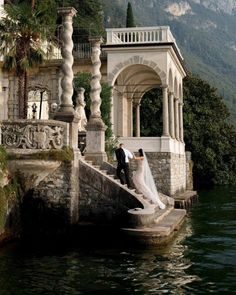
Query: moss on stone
<point x="64" y="155"/>
<point x="3" y="158"/>
<point x="8" y="199"/>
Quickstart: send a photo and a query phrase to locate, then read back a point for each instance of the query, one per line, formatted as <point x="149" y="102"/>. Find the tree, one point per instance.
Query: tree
<point x="24" y="31"/>
<point x="208" y="134"/>
<point x="129" y="17"/>
<point x="88" y="20"/>
<point x="151" y="107"/>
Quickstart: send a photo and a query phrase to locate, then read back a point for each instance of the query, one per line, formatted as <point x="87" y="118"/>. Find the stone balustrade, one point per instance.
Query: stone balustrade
<point x="154" y="144"/>
<point x="140" y="35"/>
<point x="34" y="134"/>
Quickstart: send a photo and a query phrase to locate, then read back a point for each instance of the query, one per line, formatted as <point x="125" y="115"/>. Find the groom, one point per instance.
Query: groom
<point x="123" y="155"/>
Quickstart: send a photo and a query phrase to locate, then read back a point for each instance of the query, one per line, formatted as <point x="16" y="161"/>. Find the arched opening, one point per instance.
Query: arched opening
<point x="38" y="104"/>
<point x="151" y="113"/>
<point x="128" y="92"/>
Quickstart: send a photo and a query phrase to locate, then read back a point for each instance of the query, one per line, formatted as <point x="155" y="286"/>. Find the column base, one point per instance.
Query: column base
<point x="97" y="157"/>
<point x="95" y="141"/>
<point x="65" y="116"/>
<point x="95" y="124"/>
<point x="73" y="120"/>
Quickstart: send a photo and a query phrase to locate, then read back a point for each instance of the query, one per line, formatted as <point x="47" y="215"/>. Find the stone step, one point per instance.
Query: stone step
<point x="161" y="213"/>
<point x="133" y="191"/>
<point x="171" y="221"/>
<point x="185" y="199"/>
<point x="103" y="171"/>
<point x="160" y="232"/>
<point x="96" y="166"/>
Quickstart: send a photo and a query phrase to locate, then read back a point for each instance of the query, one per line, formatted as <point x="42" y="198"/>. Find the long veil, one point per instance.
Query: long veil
<point x="149" y="181"/>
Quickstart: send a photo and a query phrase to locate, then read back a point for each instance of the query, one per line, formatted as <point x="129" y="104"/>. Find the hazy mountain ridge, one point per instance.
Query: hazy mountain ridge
<point x="204" y="30"/>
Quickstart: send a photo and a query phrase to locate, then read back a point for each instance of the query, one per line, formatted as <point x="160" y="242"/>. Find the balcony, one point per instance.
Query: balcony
<point x="140" y="35"/>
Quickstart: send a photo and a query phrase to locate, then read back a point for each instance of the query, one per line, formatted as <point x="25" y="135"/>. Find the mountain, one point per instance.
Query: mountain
<point x="205" y="31"/>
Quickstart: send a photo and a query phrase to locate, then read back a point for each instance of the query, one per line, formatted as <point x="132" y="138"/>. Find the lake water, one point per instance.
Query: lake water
<point x="200" y="260"/>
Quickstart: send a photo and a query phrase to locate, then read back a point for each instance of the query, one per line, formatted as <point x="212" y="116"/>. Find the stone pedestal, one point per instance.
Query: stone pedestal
<point x="73" y="120"/>
<point x="95" y="139"/>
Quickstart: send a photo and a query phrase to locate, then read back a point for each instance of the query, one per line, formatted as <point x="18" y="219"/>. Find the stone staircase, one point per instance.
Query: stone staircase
<point x="109" y="171"/>
<point x="146" y="223"/>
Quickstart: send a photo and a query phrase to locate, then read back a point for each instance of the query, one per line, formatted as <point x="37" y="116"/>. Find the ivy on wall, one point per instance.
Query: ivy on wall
<point x="8" y="193"/>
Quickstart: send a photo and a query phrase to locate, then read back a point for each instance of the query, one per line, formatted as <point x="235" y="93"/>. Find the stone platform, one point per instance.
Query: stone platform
<point x="186" y="199"/>
<point x="158" y="233"/>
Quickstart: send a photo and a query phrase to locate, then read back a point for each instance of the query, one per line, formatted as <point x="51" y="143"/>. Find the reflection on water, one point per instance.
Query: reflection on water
<point x="201" y="260"/>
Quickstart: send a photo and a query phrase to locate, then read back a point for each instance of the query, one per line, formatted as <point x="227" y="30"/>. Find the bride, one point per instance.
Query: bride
<point x="143" y="180"/>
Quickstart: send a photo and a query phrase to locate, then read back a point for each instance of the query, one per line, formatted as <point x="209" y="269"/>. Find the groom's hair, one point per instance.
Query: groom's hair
<point x="140" y="152"/>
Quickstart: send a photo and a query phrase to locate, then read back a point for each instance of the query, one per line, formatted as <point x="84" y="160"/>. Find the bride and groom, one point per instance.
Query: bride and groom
<point x="142" y="177"/>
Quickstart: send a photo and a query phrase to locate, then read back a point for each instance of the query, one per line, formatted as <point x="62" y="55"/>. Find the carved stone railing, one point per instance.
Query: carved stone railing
<point x="140" y="35"/>
<point x="34" y="134"/>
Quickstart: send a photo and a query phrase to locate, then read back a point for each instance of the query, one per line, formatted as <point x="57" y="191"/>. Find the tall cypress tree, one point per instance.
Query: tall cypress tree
<point x="129" y="17"/>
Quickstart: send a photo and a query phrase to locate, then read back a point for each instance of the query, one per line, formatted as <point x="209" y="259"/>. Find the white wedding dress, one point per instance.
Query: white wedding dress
<point x="144" y="182"/>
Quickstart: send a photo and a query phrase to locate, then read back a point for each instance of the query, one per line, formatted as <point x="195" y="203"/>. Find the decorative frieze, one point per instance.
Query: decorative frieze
<point x="34" y="134"/>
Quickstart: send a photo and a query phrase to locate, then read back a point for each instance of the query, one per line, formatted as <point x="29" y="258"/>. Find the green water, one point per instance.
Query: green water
<point x="201" y="260"/>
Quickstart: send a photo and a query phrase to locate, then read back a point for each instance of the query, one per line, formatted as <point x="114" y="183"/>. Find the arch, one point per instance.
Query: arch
<point x="40" y="97"/>
<point x="135" y="60"/>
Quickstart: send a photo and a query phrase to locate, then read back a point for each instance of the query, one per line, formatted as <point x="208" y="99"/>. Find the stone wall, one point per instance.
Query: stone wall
<point x="169" y="171"/>
<point x="9" y="207"/>
<point x="49" y="193"/>
<point x="102" y="200"/>
<point x="46" y="78"/>
<point x="189" y="171"/>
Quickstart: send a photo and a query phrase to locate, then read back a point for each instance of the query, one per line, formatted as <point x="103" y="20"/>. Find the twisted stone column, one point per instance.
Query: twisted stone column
<point x="66" y="111"/>
<point x="95" y="136"/>
<point x="67" y="14"/>
<point x="96" y="78"/>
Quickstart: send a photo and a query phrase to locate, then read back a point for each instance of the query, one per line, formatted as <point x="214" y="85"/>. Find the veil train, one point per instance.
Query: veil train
<point x="149" y="181"/>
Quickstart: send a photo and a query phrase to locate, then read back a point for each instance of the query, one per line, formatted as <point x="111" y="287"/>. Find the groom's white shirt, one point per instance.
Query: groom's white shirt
<point x="128" y="155"/>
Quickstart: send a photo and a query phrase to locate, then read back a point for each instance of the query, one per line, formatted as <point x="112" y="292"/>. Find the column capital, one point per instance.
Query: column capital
<point x="64" y="11"/>
<point x="164" y="86"/>
<point x="181" y="103"/>
<point x="171" y="92"/>
<point x="176" y="98"/>
<point x="96" y="39"/>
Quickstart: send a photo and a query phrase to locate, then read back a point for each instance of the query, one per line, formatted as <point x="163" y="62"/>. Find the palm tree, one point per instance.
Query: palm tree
<point x="23" y="44"/>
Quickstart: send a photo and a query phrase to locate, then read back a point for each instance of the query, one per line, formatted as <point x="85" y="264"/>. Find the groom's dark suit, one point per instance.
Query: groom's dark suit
<point x="122" y="165"/>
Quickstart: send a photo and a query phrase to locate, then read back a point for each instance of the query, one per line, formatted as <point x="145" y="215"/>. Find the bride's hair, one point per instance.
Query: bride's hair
<point x="140" y="152"/>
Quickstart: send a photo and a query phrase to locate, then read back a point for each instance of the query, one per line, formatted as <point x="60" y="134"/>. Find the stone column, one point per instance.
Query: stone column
<point x="165" y="111"/>
<point x="130" y="117"/>
<point x="95" y="136"/>
<point x="137" y="108"/>
<point x="67" y="14"/>
<point x="177" y="118"/>
<point x="181" y="124"/>
<point x="172" y="119"/>
<point x="112" y="108"/>
<point x="66" y="111"/>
